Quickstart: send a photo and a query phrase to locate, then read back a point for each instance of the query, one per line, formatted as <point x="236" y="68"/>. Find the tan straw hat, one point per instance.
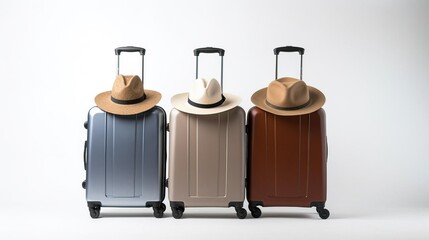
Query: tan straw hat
<point x="289" y="97"/>
<point x="204" y="98"/>
<point x="127" y="97"/>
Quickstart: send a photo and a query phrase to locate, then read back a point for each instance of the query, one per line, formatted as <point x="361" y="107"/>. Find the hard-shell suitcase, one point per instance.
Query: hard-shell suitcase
<point x="287" y="158"/>
<point x="207" y="158"/>
<point x="125" y="158"/>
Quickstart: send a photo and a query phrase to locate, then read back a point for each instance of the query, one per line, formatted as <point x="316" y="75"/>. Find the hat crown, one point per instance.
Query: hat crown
<point x="205" y="91"/>
<point x="127" y="87"/>
<point x="288" y="93"/>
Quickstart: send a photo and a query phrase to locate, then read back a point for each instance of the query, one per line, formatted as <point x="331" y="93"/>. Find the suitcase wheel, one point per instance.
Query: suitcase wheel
<point x="94" y="212"/>
<point x="255" y="211"/>
<point x="177" y="212"/>
<point x="323" y="213"/>
<point x="158" y="212"/>
<point x="241" y="213"/>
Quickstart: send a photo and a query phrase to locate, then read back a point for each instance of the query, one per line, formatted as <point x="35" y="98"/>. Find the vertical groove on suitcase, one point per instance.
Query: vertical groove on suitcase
<point x="276" y="168"/>
<point x="308" y="147"/>
<point x="225" y="179"/>
<point x="135" y="160"/>
<point x="139" y="165"/>
<point x="107" y="181"/>
<point x="191" y="169"/>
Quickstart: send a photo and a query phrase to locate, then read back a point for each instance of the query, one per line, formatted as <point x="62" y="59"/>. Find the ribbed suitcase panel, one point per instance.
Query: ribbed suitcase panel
<point x="121" y="159"/>
<point x="287" y="158"/>
<point x="287" y="162"/>
<point x="207" y="164"/>
<point x="126" y="158"/>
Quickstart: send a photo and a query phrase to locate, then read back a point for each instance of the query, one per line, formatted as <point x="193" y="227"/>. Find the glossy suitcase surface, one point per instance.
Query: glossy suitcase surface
<point x="206" y="159"/>
<point x="287" y="158"/>
<point x="126" y="159"/>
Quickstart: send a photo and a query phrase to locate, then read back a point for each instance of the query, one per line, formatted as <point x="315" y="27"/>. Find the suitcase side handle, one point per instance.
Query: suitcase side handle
<point x="221" y="53"/>
<point x="278" y="50"/>
<point x="85" y="147"/>
<point x="142" y="52"/>
<point x="84" y="162"/>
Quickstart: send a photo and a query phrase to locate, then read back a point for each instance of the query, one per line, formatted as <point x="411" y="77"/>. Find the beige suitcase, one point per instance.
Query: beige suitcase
<point x="207" y="160"/>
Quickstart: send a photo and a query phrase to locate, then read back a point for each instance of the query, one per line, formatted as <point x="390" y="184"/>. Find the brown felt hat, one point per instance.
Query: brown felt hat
<point x="288" y="97"/>
<point x="128" y="97"/>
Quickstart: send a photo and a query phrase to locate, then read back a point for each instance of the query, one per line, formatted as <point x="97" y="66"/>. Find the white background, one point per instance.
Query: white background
<point x="370" y="58"/>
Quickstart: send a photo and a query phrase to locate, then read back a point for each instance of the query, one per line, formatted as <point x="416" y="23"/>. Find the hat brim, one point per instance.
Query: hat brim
<point x="180" y="102"/>
<point x="317" y="99"/>
<point x="104" y="102"/>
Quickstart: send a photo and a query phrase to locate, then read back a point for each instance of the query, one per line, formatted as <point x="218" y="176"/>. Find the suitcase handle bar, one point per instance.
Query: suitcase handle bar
<point x="130" y="49"/>
<point x="221" y="53"/>
<point x="278" y="50"/>
<point x="209" y="50"/>
<point x="142" y="52"/>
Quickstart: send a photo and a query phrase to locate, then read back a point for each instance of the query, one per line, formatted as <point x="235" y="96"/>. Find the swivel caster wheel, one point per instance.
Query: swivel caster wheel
<point x="158" y="211"/>
<point x="241" y="213"/>
<point x="94" y="212"/>
<point x="323" y="213"/>
<point x="177" y="212"/>
<point x="255" y="211"/>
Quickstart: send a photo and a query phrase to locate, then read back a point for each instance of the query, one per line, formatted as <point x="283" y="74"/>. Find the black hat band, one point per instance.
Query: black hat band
<point x="128" y="102"/>
<point x="212" y="105"/>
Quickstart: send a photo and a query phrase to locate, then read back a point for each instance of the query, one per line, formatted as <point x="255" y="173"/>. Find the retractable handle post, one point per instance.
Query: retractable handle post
<point x="131" y="49"/>
<point x="221" y="53"/>
<point x="300" y="50"/>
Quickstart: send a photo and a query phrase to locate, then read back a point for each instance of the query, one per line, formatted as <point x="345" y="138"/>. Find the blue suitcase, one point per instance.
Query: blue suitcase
<point x="125" y="159"/>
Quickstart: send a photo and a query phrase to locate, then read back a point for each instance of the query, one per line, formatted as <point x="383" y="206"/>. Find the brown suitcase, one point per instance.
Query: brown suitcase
<point x="287" y="160"/>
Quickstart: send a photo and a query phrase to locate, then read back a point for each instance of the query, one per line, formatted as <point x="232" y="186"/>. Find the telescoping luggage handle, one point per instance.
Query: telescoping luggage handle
<point x="221" y="53"/>
<point x="131" y="49"/>
<point x="300" y="50"/>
